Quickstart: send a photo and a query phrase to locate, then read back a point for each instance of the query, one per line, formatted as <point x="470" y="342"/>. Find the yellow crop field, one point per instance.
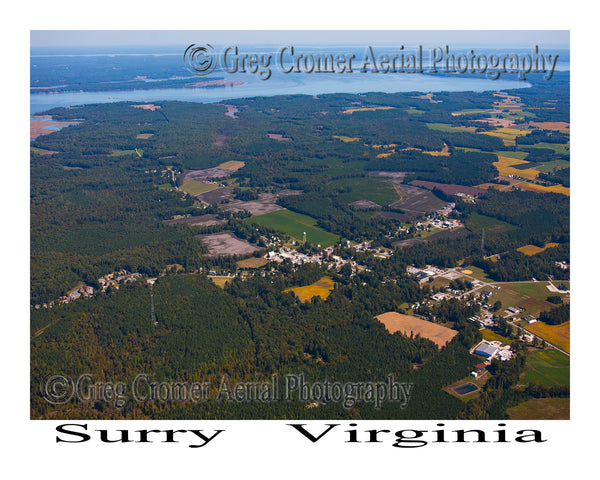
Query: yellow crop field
<point x="540" y="188"/>
<point x="232" y="165"/>
<point x="366" y="109"/>
<point x="343" y="138"/>
<point x="559" y="335"/>
<point x="384" y="155"/>
<point x="507" y="134"/>
<point x="220" y="281"/>
<point x="321" y="288"/>
<point x="532" y="249"/>
<point x="505" y="168"/>
<point x="444" y="153"/>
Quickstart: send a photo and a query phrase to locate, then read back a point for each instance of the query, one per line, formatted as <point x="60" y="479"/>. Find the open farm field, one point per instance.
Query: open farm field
<point x="343" y="138"/>
<point x="528" y="295"/>
<point x="41" y="151"/>
<point x="541" y="409"/>
<point x="366" y="109"/>
<point x="548" y="167"/>
<point x="490" y="336"/>
<point x="507" y="134"/>
<point x="409" y="325"/>
<point x="560" y="148"/>
<point x="476" y="222"/>
<point x="220" y="281"/>
<point x="196" y="187"/>
<point x="468" y="111"/>
<point x="543" y="189"/>
<point x="546" y="367"/>
<point x="532" y="249"/>
<point x="264" y="204"/>
<point x="376" y="190"/>
<point x="295" y="224"/>
<point x="559" y="335"/>
<point x="449" y="188"/>
<point x="444" y="152"/>
<point x="519" y="155"/>
<point x="321" y="288"/>
<point x="505" y="166"/>
<point x="252" y="262"/>
<point x="446" y="127"/>
<point x="120" y="153"/>
<point x="416" y="201"/>
<point x="226" y="244"/>
<point x="559" y="126"/>
<point x="195" y="220"/>
<point x="231" y="165"/>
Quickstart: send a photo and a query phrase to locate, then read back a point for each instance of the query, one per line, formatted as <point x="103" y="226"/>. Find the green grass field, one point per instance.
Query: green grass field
<point x="476" y="222"/>
<point x="362" y="188"/>
<point x="119" y="153"/>
<point x="294" y="224"/>
<point x="541" y="409"/>
<point x="547" y="367"/>
<point x="531" y="296"/>
<point x="478" y="273"/>
<point x="560" y="148"/>
<point x="194" y="187"/>
<point x="548" y="167"/>
<point x="446" y="127"/>
<point x="511" y="154"/>
<point x="492" y="336"/>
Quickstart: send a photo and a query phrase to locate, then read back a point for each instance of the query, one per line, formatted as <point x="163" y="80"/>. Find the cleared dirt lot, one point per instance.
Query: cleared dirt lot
<point x="207" y="174"/>
<point x="449" y="188"/>
<point x="365" y="205"/>
<point x="416" y="201"/>
<point x="215" y="196"/>
<point x="226" y="244"/>
<point x="407" y="325"/>
<point x="202" y="220"/>
<point x="264" y="204"/>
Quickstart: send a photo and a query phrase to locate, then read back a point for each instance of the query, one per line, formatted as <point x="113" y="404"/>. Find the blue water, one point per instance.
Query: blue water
<point x="466" y="388"/>
<point x="288" y="85"/>
<point x="160" y="63"/>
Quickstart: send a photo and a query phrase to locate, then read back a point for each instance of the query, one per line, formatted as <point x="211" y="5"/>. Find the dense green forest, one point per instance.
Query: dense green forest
<point x="106" y="197"/>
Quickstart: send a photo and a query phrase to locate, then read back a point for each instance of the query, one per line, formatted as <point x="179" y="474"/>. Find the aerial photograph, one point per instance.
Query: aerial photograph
<point x="306" y="225"/>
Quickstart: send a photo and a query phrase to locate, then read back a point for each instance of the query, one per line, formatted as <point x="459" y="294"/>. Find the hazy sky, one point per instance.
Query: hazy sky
<point x="524" y="38"/>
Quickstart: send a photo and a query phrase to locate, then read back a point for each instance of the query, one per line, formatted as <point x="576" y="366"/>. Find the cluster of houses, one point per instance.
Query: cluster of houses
<point x="111" y="280"/>
<point x="325" y="256"/>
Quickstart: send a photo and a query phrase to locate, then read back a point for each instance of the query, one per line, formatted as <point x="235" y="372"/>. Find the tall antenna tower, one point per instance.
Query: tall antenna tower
<point x="152" y="315"/>
<point x="303" y="237"/>
<point x="482" y="239"/>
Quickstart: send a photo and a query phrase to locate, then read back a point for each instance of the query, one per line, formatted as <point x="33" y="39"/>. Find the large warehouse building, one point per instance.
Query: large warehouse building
<point x="486" y="350"/>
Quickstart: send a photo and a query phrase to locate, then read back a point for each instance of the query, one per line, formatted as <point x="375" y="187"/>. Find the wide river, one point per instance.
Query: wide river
<point x="279" y="85"/>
